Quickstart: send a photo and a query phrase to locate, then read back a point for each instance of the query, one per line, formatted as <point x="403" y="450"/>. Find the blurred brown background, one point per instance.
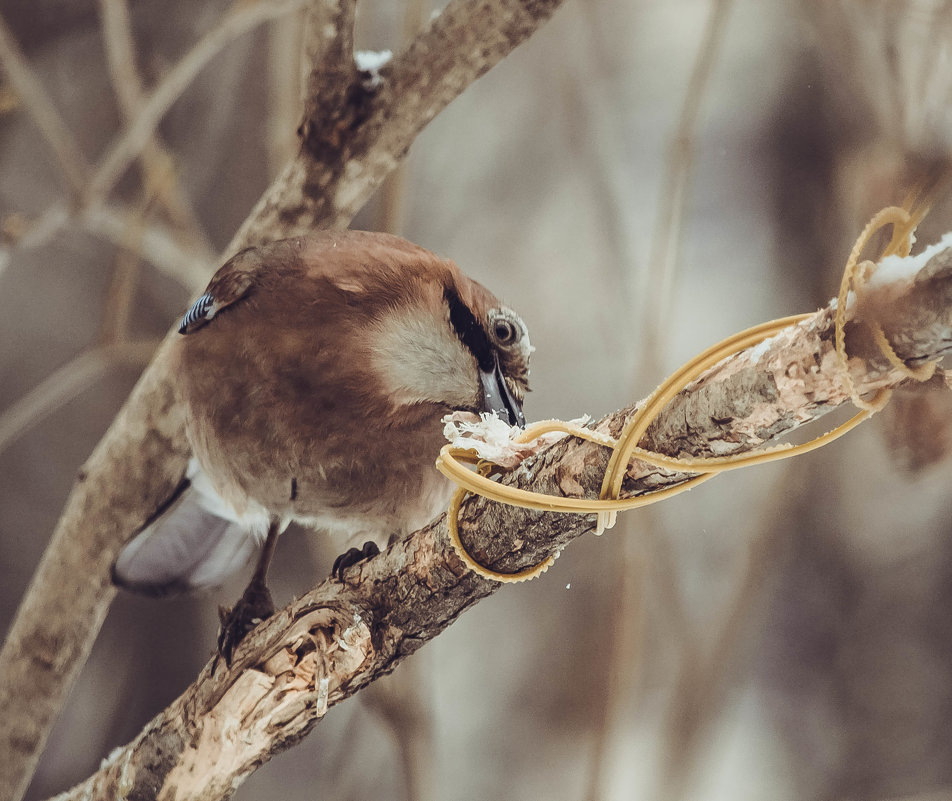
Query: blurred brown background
<point x="784" y="632"/>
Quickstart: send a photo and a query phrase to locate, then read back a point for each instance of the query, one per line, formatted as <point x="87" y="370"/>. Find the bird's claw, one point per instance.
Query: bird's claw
<point x="351" y="557"/>
<point x="254" y="606"/>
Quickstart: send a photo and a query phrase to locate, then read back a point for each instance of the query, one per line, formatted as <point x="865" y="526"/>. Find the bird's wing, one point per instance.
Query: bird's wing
<point x="231" y="283"/>
<point x="186" y="546"/>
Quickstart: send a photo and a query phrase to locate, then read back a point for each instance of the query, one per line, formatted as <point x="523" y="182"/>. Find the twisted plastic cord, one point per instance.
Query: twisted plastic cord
<point x="453" y="461"/>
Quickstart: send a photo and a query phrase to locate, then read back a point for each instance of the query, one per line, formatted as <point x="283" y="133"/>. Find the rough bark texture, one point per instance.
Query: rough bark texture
<point x="339" y="637"/>
<point x="142" y="456"/>
<point x="356" y="131"/>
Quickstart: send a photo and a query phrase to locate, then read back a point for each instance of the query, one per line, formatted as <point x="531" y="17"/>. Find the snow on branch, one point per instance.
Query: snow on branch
<point x="339" y="637"/>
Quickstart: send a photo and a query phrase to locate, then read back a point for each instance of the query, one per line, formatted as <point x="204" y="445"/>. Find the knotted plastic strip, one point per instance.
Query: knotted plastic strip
<point x="456" y="463"/>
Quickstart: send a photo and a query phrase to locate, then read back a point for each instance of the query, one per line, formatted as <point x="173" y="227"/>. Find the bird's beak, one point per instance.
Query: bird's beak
<point x="497" y="397"/>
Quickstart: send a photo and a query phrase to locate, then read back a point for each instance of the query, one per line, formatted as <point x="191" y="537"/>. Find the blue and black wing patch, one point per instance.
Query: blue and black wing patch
<point x="201" y="312"/>
<point x="231" y="283"/>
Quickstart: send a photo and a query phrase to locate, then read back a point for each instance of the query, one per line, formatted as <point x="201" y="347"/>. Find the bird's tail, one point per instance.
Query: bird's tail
<point x="194" y="542"/>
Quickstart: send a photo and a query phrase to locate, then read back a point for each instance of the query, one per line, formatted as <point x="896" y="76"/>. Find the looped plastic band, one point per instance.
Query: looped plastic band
<point x="453" y="460"/>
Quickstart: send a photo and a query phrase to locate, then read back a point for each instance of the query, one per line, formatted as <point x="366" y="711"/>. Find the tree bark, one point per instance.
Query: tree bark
<point x="143" y="454"/>
<point x="339" y="637"/>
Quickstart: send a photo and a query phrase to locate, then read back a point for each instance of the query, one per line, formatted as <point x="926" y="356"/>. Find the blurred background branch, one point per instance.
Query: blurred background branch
<point x="655" y="280"/>
<point x="159" y="176"/>
<point x="32" y="94"/>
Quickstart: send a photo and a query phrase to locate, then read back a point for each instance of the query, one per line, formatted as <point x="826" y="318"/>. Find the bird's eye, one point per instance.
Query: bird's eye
<point x="504" y="331"/>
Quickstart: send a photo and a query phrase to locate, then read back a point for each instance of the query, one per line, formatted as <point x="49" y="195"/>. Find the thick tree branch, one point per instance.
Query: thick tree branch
<point x="341" y="636"/>
<point x="348" y="151"/>
<point x="143" y="454"/>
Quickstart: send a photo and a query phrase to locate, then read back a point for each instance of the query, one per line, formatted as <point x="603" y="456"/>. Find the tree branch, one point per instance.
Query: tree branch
<point x="65" y="383"/>
<point x="189" y="263"/>
<point x="339" y="637"/>
<point x="347" y="153"/>
<point x="142" y="456"/>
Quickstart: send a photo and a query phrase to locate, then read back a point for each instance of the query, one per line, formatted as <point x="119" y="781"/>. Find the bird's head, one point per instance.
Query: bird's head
<point x="452" y="342"/>
<point x="389" y="319"/>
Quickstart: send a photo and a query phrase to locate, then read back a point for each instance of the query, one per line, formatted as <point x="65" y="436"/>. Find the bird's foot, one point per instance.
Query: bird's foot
<point x="352" y="557"/>
<point x="254" y="606"/>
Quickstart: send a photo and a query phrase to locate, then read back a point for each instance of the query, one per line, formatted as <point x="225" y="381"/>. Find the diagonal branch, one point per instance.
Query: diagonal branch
<point x="142" y="456"/>
<point x="66" y="383"/>
<point x="341" y="636"/>
<point x="188" y="263"/>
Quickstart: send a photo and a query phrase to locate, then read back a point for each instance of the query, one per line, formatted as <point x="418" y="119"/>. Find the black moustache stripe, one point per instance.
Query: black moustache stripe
<point x="469" y="331"/>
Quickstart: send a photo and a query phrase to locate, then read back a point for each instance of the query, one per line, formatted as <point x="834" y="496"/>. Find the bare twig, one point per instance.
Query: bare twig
<point x="336" y="639"/>
<point x="39" y="231"/>
<point x="116" y="315"/>
<point x="37" y="101"/>
<point x="131" y="142"/>
<point x="661" y="270"/>
<point x="143" y="455"/>
<point x="162" y="247"/>
<point x="187" y="264"/>
<point x="118" y="309"/>
<point x="66" y="383"/>
<point x="158" y="166"/>
<point x="120" y="54"/>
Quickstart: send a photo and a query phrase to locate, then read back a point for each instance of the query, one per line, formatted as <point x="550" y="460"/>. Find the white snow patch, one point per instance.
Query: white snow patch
<point x="758" y="351"/>
<point x="371" y="62"/>
<point x="111" y="757"/>
<point x="896" y="269"/>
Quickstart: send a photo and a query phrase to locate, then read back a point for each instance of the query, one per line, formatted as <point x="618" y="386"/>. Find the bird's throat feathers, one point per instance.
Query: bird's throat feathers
<point x="419" y="358"/>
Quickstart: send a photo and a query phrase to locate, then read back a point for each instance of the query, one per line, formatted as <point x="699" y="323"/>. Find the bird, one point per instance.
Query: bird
<point x="314" y="373"/>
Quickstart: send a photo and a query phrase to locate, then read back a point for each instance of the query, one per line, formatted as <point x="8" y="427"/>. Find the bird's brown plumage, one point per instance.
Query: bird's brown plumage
<point x="280" y="386"/>
<point x="314" y="373"/>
